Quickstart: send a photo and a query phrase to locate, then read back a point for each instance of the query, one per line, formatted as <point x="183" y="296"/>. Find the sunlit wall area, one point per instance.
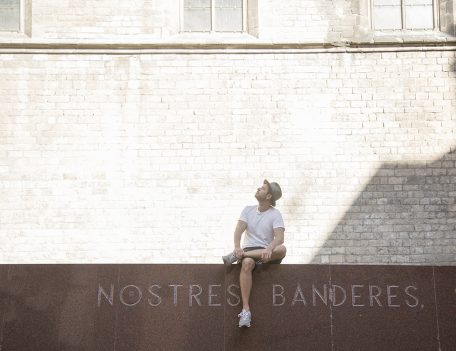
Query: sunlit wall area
<point x="152" y="157"/>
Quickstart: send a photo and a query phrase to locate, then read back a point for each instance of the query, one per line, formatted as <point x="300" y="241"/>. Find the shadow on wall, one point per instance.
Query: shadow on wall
<point x="405" y="215"/>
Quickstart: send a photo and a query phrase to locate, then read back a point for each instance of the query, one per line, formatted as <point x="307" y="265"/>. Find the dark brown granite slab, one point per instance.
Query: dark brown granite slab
<point x="105" y="317"/>
<point x="195" y="307"/>
<point x="286" y="312"/>
<point x="52" y="307"/>
<point x="386" y="308"/>
<point x="170" y="307"/>
<point x="445" y="281"/>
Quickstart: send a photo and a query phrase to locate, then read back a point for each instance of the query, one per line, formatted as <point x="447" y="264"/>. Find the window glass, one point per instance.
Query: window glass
<point x="419" y="14"/>
<point x="403" y="14"/>
<point x="197" y="15"/>
<point x="417" y="2"/>
<point x="223" y="15"/>
<point x="387" y="2"/>
<point x="228" y="15"/>
<point x="388" y="16"/>
<point x="10" y="16"/>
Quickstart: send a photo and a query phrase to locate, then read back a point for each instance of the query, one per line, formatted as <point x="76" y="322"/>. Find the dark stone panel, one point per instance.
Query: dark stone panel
<point x="385" y="308"/>
<point x="51" y="307"/>
<point x="103" y="313"/>
<point x="286" y="312"/>
<point x="195" y="307"/>
<point x="445" y="281"/>
<point x="4" y="299"/>
<point x="170" y="307"/>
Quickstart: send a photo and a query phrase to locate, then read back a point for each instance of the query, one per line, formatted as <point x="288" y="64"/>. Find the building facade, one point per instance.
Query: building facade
<point x="136" y="131"/>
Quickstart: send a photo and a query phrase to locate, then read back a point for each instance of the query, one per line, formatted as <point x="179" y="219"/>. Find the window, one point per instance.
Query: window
<point x="10" y="15"/>
<point x="404" y="14"/>
<point x="214" y="16"/>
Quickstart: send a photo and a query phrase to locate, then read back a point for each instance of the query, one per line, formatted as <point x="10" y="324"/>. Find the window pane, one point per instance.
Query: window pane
<point x="419" y="17"/>
<point x="417" y="2"/>
<point x="197" y="4"/>
<point x="387" y="2"/>
<point x="228" y="20"/>
<point x="228" y="15"/>
<point x="197" y="20"/>
<point x="387" y="17"/>
<point x="10" y="15"/>
<point x="197" y="15"/>
<point x="228" y="3"/>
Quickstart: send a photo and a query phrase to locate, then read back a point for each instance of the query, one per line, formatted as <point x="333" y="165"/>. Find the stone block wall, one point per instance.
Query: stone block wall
<point x="151" y="157"/>
<point x="148" y="152"/>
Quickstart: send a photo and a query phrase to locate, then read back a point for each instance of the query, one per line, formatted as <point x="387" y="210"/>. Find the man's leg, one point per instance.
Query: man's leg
<point x="245" y="280"/>
<point x="278" y="253"/>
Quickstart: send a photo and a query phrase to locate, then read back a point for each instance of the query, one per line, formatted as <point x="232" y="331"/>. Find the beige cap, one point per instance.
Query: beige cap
<point x="274" y="190"/>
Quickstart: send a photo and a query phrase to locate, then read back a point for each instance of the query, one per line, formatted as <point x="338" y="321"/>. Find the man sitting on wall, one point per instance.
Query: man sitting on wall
<point x="263" y="241"/>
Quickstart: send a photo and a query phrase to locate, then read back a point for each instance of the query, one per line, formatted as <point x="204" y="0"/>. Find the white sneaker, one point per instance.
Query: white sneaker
<point x="245" y="318"/>
<point x="229" y="259"/>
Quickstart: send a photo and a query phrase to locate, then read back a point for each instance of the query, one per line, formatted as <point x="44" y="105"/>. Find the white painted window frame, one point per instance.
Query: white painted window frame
<point x="436" y="9"/>
<point x="212" y="31"/>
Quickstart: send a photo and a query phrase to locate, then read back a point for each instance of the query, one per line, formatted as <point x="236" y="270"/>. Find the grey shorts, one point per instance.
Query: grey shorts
<point x="247" y="249"/>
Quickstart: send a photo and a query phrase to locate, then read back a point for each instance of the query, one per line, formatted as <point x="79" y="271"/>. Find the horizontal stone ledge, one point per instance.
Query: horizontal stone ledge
<point x="195" y="306"/>
<point x="223" y="48"/>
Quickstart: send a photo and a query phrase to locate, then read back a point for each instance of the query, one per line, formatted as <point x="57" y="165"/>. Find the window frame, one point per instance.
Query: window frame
<point x="435" y="15"/>
<point x="244" y="29"/>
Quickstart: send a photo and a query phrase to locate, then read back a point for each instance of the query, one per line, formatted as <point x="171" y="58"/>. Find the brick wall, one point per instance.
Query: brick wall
<point x="308" y="20"/>
<point x="95" y="19"/>
<point x="151" y="157"/>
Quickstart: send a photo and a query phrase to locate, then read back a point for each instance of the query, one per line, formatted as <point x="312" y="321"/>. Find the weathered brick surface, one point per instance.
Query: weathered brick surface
<point x="151" y="157"/>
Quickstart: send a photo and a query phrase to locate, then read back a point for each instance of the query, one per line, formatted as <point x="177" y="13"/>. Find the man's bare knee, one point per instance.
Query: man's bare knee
<point x="280" y="251"/>
<point x="248" y="264"/>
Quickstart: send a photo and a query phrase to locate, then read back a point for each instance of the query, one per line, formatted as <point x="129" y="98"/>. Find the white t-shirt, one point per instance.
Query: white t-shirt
<point x="260" y="225"/>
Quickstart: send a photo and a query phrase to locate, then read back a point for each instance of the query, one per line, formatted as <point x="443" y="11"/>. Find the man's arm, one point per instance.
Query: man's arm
<point x="240" y="229"/>
<point x="279" y="234"/>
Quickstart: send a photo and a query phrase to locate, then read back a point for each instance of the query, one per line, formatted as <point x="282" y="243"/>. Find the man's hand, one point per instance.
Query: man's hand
<point x="266" y="255"/>
<point x="238" y="252"/>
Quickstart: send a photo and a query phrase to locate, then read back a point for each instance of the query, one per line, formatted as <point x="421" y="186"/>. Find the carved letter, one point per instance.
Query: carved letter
<point x="373" y="297"/>
<point x="175" y="293"/>
<point x="334" y="295"/>
<point x="236" y="296"/>
<point x="159" y="300"/>
<point x="101" y="291"/>
<point x="275" y="294"/>
<point x="130" y="294"/>
<point x="354" y="296"/>
<point x="212" y="295"/>
<point x="390" y="296"/>
<point x="192" y="296"/>
<point x="413" y="297"/>
<point x="301" y="294"/>
<point x="323" y="298"/>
